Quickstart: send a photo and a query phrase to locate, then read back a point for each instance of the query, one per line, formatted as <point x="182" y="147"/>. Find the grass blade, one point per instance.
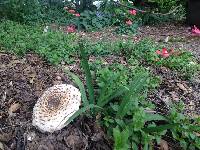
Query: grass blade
<point x="80" y="84"/>
<point x="85" y="65"/>
<point x="81" y="111"/>
<point x="160" y="128"/>
<point x="120" y="91"/>
<point x="154" y="117"/>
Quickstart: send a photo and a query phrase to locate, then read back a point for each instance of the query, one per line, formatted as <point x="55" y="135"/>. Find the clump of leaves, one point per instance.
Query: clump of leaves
<point x="92" y="20"/>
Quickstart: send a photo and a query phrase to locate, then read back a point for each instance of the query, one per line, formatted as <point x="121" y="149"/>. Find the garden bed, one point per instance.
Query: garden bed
<point x="24" y="79"/>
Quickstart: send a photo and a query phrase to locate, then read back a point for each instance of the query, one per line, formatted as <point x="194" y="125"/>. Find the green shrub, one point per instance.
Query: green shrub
<point x="92" y="20"/>
<point x="166" y="5"/>
<point x="20" y="10"/>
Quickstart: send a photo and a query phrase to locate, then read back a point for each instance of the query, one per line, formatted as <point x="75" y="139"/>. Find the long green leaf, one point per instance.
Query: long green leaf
<point x="121" y="139"/>
<point x="80" y="84"/>
<point x="132" y="96"/>
<point x="120" y="91"/>
<point x="160" y="128"/>
<point x="154" y="117"/>
<point x="81" y="111"/>
<point x="85" y="65"/>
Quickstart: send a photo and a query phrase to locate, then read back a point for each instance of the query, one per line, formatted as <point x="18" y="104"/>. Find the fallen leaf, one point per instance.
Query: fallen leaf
<point x="174" y="96"/>
<point x="13" y="108"/>
<point x="197" y="134"/>
<point x="164" y="145"/>
<point x="182" y="87"/>
<point x="166" y="39"/>
<point x="31" y="136"/>
<point x="5" y="137"/>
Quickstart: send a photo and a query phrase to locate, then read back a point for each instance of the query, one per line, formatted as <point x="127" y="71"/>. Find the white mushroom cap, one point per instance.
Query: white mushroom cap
<point x="57" y="104"/>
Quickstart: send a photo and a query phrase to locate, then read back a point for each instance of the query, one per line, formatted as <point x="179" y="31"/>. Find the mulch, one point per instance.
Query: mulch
<point x="22" y="81"/>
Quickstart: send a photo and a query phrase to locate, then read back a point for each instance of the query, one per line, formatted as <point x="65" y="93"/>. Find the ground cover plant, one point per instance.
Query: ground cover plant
<point x="54" y="46"/>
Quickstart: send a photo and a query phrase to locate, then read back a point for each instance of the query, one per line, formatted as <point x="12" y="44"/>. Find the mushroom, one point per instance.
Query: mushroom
<point x="57" y="104"/>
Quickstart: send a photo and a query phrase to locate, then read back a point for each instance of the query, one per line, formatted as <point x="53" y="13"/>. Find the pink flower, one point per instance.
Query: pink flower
<point x="71" y="11"/>
<point x="70" y="28"/>
<point x="77" y="15"/>
<point x="129" y="22"/>
<point x="195" y="30"/>
<point x="133" y="12"/>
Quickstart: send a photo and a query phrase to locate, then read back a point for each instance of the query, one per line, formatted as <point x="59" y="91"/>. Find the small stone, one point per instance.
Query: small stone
<point x="31" y="136"/>
<point x="1" y="146"/>
<point x="58" y="78"/>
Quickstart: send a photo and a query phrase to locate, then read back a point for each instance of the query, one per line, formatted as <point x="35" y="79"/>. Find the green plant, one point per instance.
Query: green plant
<point x="165" y="5"/>
<point x="126" y="29"/>
<point x="185" y="63"/>
<point x="165" y="11"/>
<point x="20" y="10"/>
<point x="123" y="107"/>
<point x="181" y="61"/>
<point x="121" y="138"/>
<point x="52" y="45"/>
<point x="92" y="20"/>
<point x="122" y="103"/>
<point x="187" y="130"/>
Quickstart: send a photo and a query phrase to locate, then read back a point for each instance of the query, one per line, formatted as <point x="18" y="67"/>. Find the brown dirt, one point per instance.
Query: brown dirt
<point x="22" y="81"/>
<point x="173" y="89"/>
<point x="179" y="35"/>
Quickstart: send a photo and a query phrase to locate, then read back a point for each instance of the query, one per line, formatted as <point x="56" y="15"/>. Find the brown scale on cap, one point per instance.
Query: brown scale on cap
<point x="55" y="106"/>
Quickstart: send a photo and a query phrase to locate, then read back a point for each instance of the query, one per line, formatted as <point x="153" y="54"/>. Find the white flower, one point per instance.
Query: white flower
<point x="97" y="4"/>
<point x="46" y="29"/>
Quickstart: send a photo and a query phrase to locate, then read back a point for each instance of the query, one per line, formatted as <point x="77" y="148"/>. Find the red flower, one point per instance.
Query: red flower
<point x="70" y="28"/>
<point x="71" y="11"/>
<point x="77" y="15"/>
<point x="164" y="53"/>
<point x="133" y="12"/>
<point x="129" y="22"/>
